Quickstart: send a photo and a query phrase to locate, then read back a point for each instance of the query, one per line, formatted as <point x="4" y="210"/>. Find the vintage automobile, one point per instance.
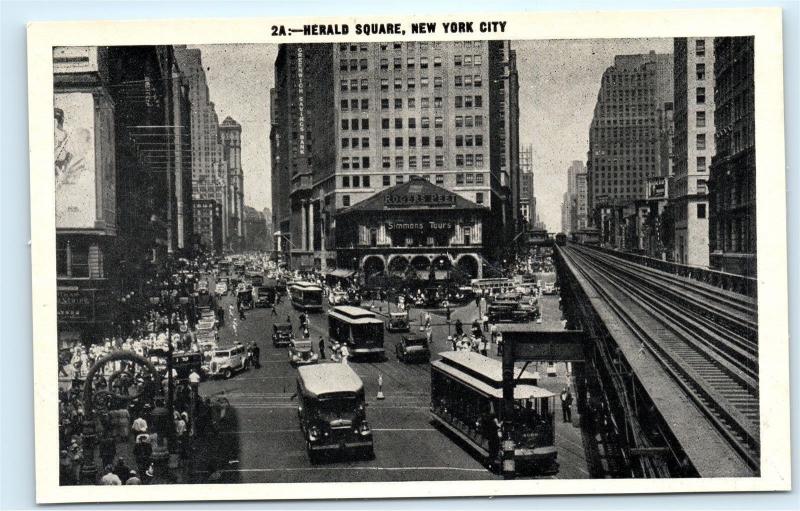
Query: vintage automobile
<point x="281" y="285"/>
<point x="281" y="334"/>
<point x="256" y="279"/>
<point x="244" y="297"/>
<point x="337" y="298"/>
<point x="413" y="348"/>
<point x="263" y="296"/>
<point x="302" y="353"/>
<point x="332" y="411"/>
<point x="502" y="310"/>
<point x="549" y="289"/>
<point x="398" y="322"/>
<point x="225" y="362"/>
<point x="184" y="362"/>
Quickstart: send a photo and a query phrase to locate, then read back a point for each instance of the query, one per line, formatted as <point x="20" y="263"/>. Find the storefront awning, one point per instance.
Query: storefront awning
<point x="341" y="273"/>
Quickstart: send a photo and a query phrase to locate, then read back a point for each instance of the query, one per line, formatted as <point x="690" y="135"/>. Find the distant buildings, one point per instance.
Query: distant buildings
<point x="256" y="234"/>
<point x="527" y="196"/>
<point x="354" y="120"/>
<point x="732" y="184"/>
<point x="231" y="137"/>
<point x="628" y="138"/>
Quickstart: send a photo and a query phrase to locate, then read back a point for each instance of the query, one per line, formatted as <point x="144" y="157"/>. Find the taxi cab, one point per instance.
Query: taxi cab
<point x="226" y="362"/>
<point x="302" y="353"/>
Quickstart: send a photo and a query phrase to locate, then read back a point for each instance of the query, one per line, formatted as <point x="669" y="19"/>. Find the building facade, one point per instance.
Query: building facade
<point x="732" y="184"/>
<point x="693" y="148"/>
<point x="209" y="178"/>
<point x="581" y="201"/>
<point x="394" y="110"/>
<point x="527" y="198"/>
<point x="231" y="138"/>
<point x="86" y="188"/>
<point x="208" y="217"/>
<point x="625" y="137"/>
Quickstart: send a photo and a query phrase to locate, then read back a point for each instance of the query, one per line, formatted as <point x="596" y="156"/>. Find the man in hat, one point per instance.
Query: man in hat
<point x="133" y="478"/>
<point x="139" y="426"/>
<point x="256" y="352"/>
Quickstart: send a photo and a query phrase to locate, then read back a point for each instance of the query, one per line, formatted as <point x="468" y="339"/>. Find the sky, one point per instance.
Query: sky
<point x="559" y="81"/>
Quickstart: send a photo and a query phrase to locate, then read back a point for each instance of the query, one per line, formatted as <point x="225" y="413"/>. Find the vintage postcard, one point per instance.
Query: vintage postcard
<point x="463" y="255"/>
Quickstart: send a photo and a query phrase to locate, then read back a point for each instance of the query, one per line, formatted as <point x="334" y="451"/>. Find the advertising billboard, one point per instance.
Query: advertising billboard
<point x="74" y="157"/>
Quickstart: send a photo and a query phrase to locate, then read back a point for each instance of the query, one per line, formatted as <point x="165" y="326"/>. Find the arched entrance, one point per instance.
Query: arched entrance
<point x="442" y="263"/>
<point x="373" y="265"/>
<point x="398" y="264"/>
<point x="421" y="263"/>
<point x="468" y="265"/>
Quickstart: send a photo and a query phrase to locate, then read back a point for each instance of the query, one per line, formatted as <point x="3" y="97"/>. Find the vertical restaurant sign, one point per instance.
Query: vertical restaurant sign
<point x="301" y="103"/>
<point x="75" y="160"/>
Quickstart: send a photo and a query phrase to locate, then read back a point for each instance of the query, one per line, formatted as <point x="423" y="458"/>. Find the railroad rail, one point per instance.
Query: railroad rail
<point x="705" y="338"/>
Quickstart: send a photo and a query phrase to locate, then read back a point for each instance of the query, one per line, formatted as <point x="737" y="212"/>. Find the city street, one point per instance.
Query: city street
<point x="267" y="445"/>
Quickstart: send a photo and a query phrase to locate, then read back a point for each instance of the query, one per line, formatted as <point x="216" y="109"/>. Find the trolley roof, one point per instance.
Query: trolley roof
<point x="322" y="379"/>
<point x="485" y="375"/>
<point x="354" y="314"/>
<point x="305" y="285"/>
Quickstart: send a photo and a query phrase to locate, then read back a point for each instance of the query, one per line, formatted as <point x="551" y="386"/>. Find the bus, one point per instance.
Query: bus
<point x="306" y="296"/>
<point x="467" y="402"/>
<point x="358" y="328"/>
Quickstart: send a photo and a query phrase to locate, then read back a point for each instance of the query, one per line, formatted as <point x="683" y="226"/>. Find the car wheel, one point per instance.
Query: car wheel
<point x="370" y="453"/>
<point x="227" y="374"/>
<point x="312" y="456"/>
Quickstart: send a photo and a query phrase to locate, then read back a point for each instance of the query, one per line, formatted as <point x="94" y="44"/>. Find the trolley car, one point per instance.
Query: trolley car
<point x="306" y="296"/>
<point x="467" y="401"/>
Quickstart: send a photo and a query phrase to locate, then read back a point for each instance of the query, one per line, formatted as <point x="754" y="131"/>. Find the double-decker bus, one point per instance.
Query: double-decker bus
<point x="467" y="401"/>
<point x="358" y="328"/>
<point x="306" y="296"/>
<point x="495" y="286"/>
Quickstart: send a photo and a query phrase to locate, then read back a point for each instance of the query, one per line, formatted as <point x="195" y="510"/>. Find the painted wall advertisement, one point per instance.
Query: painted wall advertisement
<point x="74" y="124"/>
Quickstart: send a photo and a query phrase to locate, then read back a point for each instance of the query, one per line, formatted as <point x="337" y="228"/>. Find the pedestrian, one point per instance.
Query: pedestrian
<point x="110" y="478"/>
<point x="241" y="311"/>
<point x="344" y="353"/>
<point x="429" y="334"/>
<point x="288" y="319"/>
<point x="256" y="356"/>
<point x="133" y="478"/>
<point x="107" y="448"/>
<point x="121" y="469"/>
<point x="566" y="404"/>
<point x="459" y="327"/>
<point x="274" y="312"/>
<point x="484" y="347"/>
<point x="485" y="319"/>
<point x="321" y="348"/>
<point x="142" y="452"/>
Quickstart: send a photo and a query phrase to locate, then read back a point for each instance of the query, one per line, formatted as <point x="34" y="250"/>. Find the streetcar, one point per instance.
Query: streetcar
<point x="467" y="402"/>
<point x="358" y="328"/>
<point x="306" y="296"/>
<point x="332" y="411"/>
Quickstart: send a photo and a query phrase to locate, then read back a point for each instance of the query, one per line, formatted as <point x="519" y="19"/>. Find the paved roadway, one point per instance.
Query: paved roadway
<point x="266" y="444"/>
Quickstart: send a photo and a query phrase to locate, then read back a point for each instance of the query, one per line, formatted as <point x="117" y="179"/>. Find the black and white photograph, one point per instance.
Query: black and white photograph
<point x="339" y="256"/>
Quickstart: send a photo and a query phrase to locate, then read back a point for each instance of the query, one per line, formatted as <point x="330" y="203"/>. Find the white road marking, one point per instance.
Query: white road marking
<point x="339" y="469"/>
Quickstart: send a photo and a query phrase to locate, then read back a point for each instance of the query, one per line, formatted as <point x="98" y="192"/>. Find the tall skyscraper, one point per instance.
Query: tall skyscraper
<point x="231" y="137"/>
<point x="581" y="201"/>
<point x="209" y="177"/>
<point x="378" y="114"/>
<point x="575" y="169"/>
<point x="693" y="148"/>
<point x="527" y="199"/>
<point x="732" y="216"/>
<point x="625" y="146"/>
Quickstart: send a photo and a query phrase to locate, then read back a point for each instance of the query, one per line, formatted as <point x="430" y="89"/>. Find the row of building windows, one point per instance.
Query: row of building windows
<point x="425" y="141"/>
<point x="467" y="60"/>
<point x="353" y="85"/>
<point x="355" y="143"/>
<point x="410" y="45"/>
<point x="355" y="162"/>
<point x="353" y="124"/>
<point x="468" y="101"/>
<point x="468" y="121"/>
<point x="412" y="103"/>
<point x="469" y="160"/>
<point x="411" y="83"/>
<point x="469" y="140"/>
<point x="412" y="161"/>
<point x="354" y="104"/>
<point x="411" y="63"/>
<point x="468" y="81"/>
